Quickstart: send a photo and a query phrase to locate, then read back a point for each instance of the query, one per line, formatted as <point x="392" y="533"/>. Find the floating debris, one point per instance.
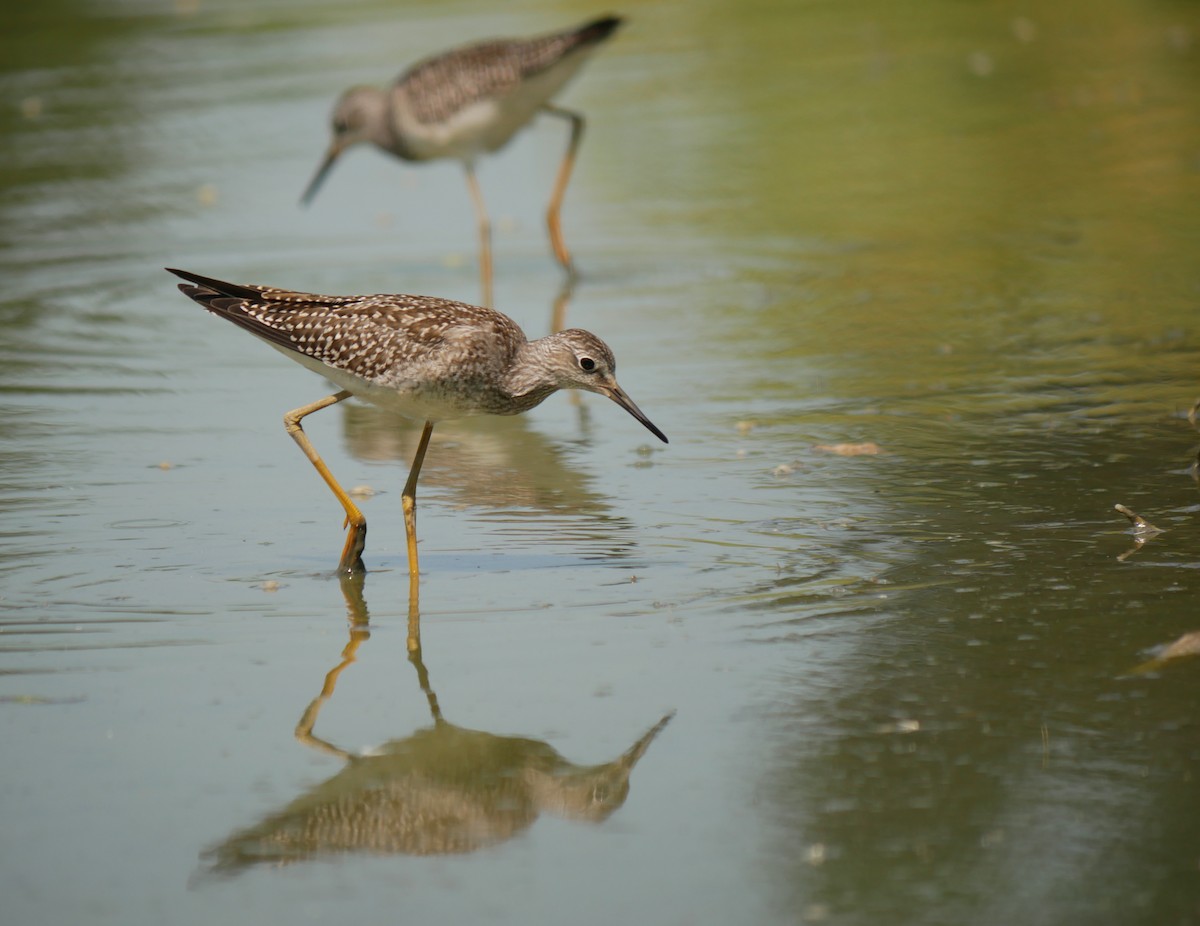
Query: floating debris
<point x="41" y="699"/>
<point x="746" y="426"/>
<point x="1141" y="527"/>
<point x="867" y="448"/>
<point x="900" y="726"/>
<point x="363" y="491"/>
<point x="165" y="465"/>
<point x="270" y="585"/>
<point x="981" y="64"/>
<point x="1187" y="645"/>
<point x="1179" y="38"/>
<point x="1024" y="30"/>
<point x="1142" y="531"/>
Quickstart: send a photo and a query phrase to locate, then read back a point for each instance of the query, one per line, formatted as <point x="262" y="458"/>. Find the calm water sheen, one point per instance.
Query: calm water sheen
<point x="897" y="687"/>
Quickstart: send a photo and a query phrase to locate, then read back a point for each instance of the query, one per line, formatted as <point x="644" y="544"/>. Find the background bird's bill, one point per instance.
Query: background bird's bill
<point x="319" y="177"/>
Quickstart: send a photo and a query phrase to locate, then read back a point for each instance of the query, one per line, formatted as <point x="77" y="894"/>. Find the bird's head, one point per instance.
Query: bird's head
<point x="359" y="116"/>
<point x="580" y="360"/>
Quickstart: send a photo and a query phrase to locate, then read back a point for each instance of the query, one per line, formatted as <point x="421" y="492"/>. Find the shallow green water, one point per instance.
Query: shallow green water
<point x="902" y="683"/>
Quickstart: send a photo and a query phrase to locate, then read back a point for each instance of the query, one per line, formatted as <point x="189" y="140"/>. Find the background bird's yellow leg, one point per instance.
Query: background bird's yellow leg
<point x="409" y="500"/>
<point x="554" y="213"/>
<point x="485" y="235"/>
<point x="356" y="538"/>
<point x="558" y="321"/>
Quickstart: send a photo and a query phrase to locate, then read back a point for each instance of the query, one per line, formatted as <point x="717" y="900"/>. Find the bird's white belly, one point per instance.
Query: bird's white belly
<point x="464" y="135"/>
<point x="418" y="404"/>
<point x="486" y="125"/>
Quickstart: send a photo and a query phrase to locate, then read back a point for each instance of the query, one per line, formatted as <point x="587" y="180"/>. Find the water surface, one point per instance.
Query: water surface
<point x="903" y="683"/>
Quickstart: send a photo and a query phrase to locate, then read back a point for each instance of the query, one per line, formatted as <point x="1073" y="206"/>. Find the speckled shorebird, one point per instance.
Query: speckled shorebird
<point x="428" y="359"/>
<point x="467" y="102"/>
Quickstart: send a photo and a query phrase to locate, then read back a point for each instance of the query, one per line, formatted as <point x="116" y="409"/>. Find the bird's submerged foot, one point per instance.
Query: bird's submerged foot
<point x="351" y="563"/>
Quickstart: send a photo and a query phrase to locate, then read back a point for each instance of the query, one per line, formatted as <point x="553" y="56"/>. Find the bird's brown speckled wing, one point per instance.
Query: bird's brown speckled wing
<point x="368" y="336"/>
<point x="438" y="87"/>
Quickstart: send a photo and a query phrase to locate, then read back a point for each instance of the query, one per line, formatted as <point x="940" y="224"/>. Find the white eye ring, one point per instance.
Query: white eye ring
<point x="587" y="364"/>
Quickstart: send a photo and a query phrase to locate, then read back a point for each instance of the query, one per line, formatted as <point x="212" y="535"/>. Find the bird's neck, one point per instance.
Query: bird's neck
<point x="529" y="378"/>
<point x="377" y="104"/>
<point x="390" y="128"/>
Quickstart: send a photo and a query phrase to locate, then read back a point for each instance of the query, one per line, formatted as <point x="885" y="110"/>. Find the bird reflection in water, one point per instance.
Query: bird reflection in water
<point x="441" y="790"/>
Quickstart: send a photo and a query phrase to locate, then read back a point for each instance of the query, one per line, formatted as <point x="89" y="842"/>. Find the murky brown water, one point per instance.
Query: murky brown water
<point x="904" y="683"/>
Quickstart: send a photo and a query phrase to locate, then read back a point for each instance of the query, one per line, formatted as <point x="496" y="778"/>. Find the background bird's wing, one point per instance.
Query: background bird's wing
<point x="438" y="87"/>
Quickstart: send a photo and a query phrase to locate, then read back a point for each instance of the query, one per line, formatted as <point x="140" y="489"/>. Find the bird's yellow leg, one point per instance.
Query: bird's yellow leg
<point x="409" y="500"/>
<point x="356" y="537"/>
<point x="554" y="212"/>
<point x="485" y="235"/>
<point x="558" y="321"/>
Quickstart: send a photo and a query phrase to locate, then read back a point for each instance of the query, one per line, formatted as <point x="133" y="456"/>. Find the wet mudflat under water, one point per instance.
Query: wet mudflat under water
<point x="912" y="293"/>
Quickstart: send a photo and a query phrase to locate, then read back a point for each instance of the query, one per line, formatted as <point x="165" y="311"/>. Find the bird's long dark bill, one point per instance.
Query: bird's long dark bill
<point x="617" y="394"/>
<point x="319" y="177"/>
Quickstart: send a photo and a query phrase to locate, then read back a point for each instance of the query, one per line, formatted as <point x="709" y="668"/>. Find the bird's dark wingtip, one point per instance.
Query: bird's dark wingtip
<point x="194" y="278"/>
<point x="600" y="29"/>
<point x="209" y="283"/>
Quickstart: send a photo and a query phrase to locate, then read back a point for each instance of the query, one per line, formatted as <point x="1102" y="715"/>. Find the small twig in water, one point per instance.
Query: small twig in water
<point x="1142" y="528"/>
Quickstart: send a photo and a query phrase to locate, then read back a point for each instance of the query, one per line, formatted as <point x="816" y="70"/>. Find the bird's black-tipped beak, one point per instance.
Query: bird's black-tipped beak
<point x="319" y="177"/>
<point x="617" y="394"/>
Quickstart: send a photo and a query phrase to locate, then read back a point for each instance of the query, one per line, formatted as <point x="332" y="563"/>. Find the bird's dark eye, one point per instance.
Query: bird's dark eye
<point x="587" y="364"/>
